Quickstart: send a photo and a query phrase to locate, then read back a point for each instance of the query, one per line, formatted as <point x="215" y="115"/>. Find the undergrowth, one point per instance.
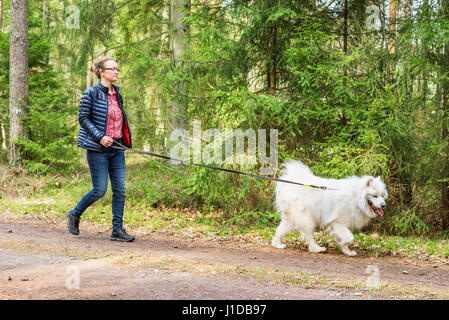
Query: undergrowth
<point x="158" y="200"/>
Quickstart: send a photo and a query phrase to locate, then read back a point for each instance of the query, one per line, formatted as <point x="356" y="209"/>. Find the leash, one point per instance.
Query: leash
<point x="122" y="147"/>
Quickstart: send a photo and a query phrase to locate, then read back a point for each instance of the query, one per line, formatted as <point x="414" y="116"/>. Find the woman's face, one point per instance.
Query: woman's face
<point x="110" y="71"/>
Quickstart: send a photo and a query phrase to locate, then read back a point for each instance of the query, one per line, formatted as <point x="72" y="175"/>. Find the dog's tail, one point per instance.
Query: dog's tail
<point x="295" y="169"/>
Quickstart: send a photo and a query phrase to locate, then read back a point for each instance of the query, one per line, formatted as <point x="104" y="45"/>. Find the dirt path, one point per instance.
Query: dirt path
<point x="41" y="260"/>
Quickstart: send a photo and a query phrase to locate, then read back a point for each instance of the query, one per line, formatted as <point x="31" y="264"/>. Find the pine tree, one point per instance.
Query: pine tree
<point x="177" y="114"/>
<point x="18" y="77"/>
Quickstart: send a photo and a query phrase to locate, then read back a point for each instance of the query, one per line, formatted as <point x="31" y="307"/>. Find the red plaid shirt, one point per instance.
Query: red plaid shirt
<point x="115" y="117"/>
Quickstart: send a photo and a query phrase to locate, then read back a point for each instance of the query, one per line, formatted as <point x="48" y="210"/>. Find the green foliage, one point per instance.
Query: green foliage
<point x="50" y="121"/>
<point x="405" y="223"/>
<point x="4" y="83"/>
<point x="342" y="161"/>
<point x="265" y="64"/>
<point x="50" y="125"/>
<point x="158" y="184"/>
<point x="4" y="76"/>
<point x="197" y="188"/>
<point x="230" y="193"/>
<point x="343" y="113"/>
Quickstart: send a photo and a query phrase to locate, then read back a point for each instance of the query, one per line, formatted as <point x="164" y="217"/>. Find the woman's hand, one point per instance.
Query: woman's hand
<point x="106" y="141"/>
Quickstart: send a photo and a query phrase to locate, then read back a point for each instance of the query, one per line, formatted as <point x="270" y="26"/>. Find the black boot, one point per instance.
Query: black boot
<point x="73" y="223"/>
<point x="120" y="235"/>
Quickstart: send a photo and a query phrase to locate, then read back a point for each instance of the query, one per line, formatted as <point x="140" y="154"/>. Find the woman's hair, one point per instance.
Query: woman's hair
<point x="99" y="64"/>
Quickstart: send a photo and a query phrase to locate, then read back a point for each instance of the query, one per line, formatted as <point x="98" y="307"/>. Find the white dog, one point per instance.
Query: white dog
<point x="353" y="203"/>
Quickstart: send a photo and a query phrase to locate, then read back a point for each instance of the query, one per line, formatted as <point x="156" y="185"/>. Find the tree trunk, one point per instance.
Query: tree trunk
<point x="444" y="134"/>
<point x="156" y="94"/>
<point x="391" y="37"/>
<point x="345" y="27"/>
<point x="1" y="15"/>
<point x="90" y="75"/>
<point x="272" y="73"/>
<point x="46" y="25"/>
<point x="45" y="15"/>
<point x="345" y="36"/>
<point x="18" y="76"/>
<point x="177" y="117"/>
<point x="392" y="27"/>
<point x="3" y="131"/>
<point x="445" y="185"/>
<point x="4" y="146"/>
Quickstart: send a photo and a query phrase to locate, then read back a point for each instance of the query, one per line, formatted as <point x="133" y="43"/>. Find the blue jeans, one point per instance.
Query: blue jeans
<point x="101" y="164"/>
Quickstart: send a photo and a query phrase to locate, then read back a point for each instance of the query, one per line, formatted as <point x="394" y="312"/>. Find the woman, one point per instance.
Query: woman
<point x="103" y="122"/>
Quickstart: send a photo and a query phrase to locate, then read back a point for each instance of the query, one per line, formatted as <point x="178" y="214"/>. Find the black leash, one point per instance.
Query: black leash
<point x="218" y="168"/>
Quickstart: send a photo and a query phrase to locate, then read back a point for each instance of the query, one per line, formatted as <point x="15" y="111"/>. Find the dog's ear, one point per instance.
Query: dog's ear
<point x="369" y="181"/>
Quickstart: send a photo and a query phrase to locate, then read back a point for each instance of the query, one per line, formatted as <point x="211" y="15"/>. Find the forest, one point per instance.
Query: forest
<point x="350" y="87"/>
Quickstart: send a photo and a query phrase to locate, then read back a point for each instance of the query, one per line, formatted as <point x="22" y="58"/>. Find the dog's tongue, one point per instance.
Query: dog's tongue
<point x="380" y="212"/>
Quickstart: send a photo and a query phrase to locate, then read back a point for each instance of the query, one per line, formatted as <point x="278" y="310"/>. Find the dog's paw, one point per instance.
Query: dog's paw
<point x="278" y="245"/>
<point x="317" y="249"/>
<point x="350" y="253"/>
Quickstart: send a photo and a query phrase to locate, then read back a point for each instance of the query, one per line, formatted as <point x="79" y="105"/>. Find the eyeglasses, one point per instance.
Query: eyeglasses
<point x="113" y="69"/>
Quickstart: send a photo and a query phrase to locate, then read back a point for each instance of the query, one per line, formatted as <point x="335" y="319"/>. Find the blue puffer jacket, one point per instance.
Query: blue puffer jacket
<point x="93" y="116"/>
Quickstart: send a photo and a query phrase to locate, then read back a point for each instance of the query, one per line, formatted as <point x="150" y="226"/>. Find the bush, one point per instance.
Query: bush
<point x="51" y="126"/>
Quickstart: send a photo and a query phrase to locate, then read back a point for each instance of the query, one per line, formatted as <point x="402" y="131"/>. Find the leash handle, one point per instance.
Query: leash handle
<point x="122" y="147"/>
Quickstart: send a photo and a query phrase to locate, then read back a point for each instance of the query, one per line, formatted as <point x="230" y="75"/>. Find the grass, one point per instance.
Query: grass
<point x="50" y="196"/>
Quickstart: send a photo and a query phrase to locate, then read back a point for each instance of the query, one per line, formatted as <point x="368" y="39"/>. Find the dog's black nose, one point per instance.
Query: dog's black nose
<point x="383" y="205"/>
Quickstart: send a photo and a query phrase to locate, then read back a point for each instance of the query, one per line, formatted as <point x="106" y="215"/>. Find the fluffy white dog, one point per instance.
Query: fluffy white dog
<point x="353" y="203"/>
